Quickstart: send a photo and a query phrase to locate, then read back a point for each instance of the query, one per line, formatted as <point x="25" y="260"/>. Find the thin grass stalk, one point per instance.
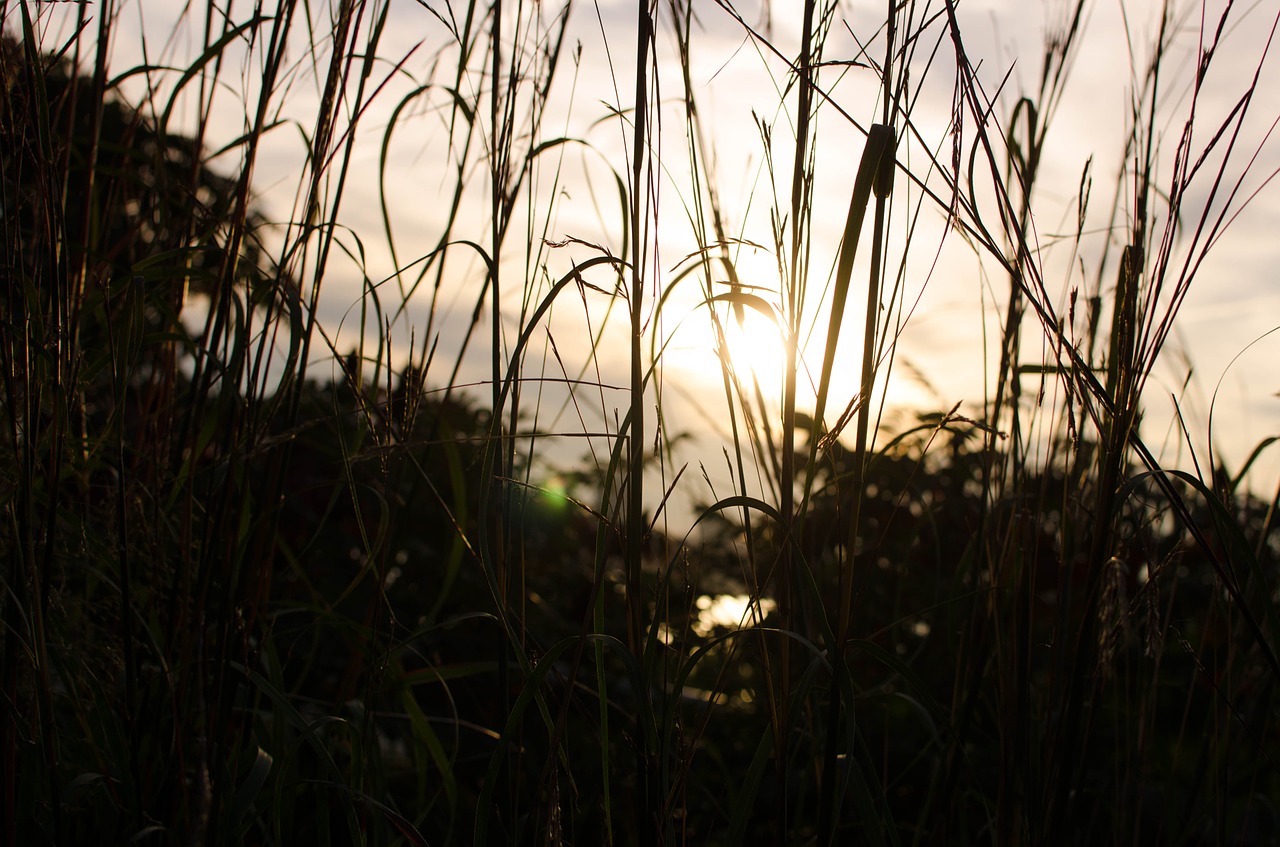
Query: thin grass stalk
<point x="1011" y="563"/>
<point x="635" y="421"/>
<point x="13" y="355"/>
<point x="881" y="174"/>
<point x="224" y="553"/>
<point x="9" y="606"/>
<point x="168" y="441"/>
<point x="466" y="46"/>
<point x="877" y="157"/>
<point x="682" y="14"/>
<point x="1083" y="682"/>
<point x="206" y="370"/>
<point x="26" y="578"/>
<point x="317" y="207"/>
<point x="882" y="188"/>
<point x="86" y="211"/>
<point x="49" y="423"/>
<point x="131" y="707"/>
<point x="493" y="537"/>
<point x="797" y="264"/>
<point x="120" y="376"/>
<point x="501" y="561"/>
<point x="1122" y="389"/>
<point x="635" y="524"/>
<point x="497" y="179"/>
<point x="378" y="611"/>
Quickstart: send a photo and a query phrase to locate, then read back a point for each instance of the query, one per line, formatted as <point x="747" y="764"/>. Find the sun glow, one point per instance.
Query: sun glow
<point x="737" y="326"/>
<point x="743" y="328"/>
<point x="755" y="349"/>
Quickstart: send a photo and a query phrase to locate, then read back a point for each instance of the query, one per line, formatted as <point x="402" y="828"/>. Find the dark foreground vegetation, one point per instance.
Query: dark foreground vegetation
<point x="252" y="598"/>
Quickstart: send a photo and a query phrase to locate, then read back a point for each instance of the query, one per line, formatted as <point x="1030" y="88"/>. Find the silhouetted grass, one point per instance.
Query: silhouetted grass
<point x="281" y="573"/>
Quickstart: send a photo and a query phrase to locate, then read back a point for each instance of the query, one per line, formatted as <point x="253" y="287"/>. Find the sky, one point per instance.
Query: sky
<point x="1216" y="370"/>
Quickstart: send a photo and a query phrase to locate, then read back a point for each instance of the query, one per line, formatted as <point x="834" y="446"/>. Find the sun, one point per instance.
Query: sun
<point x="756" y="349"/>
<point x="744" y="330"/>
<point x="746" y="340"/>
<point x="743" y="326"/>
<point x="737" y="324"/>
<point x="751" y="323"/>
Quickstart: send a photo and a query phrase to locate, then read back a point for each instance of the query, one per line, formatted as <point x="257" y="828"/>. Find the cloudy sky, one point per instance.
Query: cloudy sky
<point x="949" y="305"/>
